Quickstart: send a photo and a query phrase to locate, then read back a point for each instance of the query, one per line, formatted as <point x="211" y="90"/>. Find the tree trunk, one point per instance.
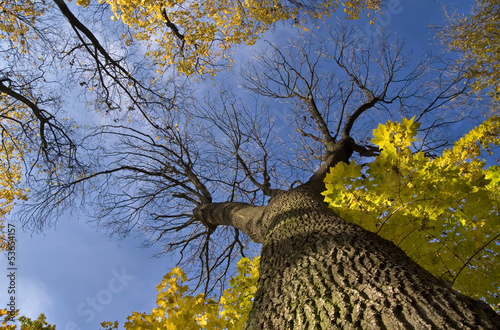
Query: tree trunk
<point x="320" y="272"/>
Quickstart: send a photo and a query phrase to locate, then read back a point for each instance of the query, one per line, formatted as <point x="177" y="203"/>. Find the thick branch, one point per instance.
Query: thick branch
<point x="43" y="119"/>
<point x="366" y="151"/>
<point x="79" y="25"/>
<point x="244" y="217"/>
<point x="346" y="131"/>
<point x="172" y="26"/>
<point x="341" y="153"/>
<point x="322" y="125"/>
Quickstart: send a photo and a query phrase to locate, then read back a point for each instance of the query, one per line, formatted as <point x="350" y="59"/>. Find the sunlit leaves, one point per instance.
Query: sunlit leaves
<point x="195" y="36"/>
<point x="237" y="301"/>
<point x="5" y="319"/>
<point x="26" y="323"/>
<point x="191" y="34"/>
<point x="477" y="37"/>
<point x="176" y="309"/>
<point x="394" y="135"/>
<point x="39" y="324"/>
<point x="16" y="18"/>
<point x="444" y="212"/>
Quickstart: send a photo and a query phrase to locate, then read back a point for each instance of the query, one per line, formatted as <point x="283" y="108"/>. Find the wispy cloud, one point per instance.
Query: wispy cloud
<point x="35" y="298"/>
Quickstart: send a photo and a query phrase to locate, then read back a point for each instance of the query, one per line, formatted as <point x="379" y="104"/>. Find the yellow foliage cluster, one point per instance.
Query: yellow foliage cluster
<point x="26" y="323"/>
<point x="193" y="35"/>
<point x="16" y="18"/>
<point x="6" y="319"/>
<point x="354" y="7"/>
<point x="443" y="212"/>
<point x="478" y="39"/>
<point x="178" y="310"/>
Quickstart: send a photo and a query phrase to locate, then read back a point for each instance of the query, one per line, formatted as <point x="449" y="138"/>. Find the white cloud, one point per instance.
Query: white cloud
<point x="34" y="298"/>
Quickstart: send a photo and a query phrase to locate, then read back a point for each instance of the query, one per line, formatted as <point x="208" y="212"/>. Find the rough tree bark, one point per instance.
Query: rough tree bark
<point x="318" y="271"/>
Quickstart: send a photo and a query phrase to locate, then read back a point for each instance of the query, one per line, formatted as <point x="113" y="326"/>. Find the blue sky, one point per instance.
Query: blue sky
<point x="79" y="277"/>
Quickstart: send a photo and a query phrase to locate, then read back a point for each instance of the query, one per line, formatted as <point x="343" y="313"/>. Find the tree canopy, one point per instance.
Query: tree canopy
<point x="149" y="168"/>
<point x="476" y="37"/>
<point x="195" y="36"/>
